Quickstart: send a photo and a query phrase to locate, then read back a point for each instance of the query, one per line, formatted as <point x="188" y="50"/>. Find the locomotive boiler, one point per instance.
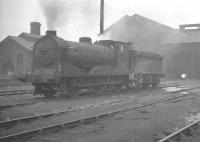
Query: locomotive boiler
<point x="67" y="67"/>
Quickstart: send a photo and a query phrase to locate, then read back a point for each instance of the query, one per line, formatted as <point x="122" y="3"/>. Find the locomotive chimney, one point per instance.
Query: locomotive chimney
<point x="102" y="17"/>
<point x="51" y="33"/>
<point x="35" y="28"/>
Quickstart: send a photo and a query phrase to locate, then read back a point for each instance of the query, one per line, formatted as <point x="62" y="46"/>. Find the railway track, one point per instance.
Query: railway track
<point x="13" y="122"/>
<point x="16" y="92"/>
<point x="78" y="121"/>
<point x="182" y="134"/>
<point x="16" y="98"/>
<point x="176" y="84"/>
<point x="8" y="103"/>
<point x="25" y="91"/>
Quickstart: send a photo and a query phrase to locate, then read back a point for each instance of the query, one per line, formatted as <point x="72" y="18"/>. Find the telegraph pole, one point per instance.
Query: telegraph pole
<point x="102" y="17"/>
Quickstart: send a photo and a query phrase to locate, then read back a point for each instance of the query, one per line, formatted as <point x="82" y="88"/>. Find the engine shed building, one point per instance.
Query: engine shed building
<point x="183" y="48"/>
<point x="16" y="52"/>
<point x="180" y="47"/>
<point x="144" y="33"/>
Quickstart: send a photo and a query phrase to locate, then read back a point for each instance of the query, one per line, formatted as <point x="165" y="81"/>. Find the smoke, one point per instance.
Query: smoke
<point x="53" y="11"/>
<point x="72" y="15"/>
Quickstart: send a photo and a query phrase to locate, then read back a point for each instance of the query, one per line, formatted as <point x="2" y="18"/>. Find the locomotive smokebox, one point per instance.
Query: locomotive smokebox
<point x="51" y="33"/>
<point x="85" y="40"/>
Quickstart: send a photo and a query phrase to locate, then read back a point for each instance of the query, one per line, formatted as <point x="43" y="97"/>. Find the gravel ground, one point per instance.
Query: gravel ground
<point x="14" y="101"/>
<point x="148" y="124"/>
<point x="49" y="105"/>
<point x="10" y="83"/>
<point x="40" y="105"/>
<point x="143" y="125"/>
<point x="85" y="110"/>
<point x="18" y="99"/>
<point x="13" y="88"/>
<point x="45" y="105"/>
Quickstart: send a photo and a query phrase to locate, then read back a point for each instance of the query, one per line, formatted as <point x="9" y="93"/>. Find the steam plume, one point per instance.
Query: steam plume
<point x="74" y="15"/>
<point x="52" y="11"/>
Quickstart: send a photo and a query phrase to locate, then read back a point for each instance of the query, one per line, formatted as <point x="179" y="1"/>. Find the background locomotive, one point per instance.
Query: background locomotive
<point x="66" y="67"/>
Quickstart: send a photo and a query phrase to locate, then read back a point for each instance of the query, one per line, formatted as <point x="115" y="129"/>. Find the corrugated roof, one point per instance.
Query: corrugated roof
<point x="121" y="21"/>
<point x="136" y="23"/>
<point x="144" y="33"/>
<point x="137" y="29"/>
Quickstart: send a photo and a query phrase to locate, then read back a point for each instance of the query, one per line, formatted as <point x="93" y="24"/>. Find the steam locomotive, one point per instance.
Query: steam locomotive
<point x="64" y="67"/>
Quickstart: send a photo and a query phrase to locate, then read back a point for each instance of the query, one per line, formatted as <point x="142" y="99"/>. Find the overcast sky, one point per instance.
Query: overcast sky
<point x="74" y="18"/>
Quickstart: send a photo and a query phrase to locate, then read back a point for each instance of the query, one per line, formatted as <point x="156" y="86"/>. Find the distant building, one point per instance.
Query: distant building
<point x="183" y="48"/>
<point x="180" y="47"/>
<point x="16" y="52"/>
<point x="144" y="33"/>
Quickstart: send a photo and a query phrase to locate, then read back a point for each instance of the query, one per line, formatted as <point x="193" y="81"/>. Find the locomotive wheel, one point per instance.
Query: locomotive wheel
<point x="137" y="83"/>
<point x="145" y="84"/>
<point x="74" y="86"/>
<point x="155" y="83"/>
<point x="63" y="88"/>
<point x="48" y="91"/>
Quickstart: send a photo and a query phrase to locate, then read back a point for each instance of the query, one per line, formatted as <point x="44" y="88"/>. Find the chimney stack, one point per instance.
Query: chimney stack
<point x="35" y="28"/>
<point x="102" y="17"/>
<point x="51" y="33"/>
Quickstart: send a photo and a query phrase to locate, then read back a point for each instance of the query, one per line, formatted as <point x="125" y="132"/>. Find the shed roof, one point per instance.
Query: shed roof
<point x="29" y="36"/>
<point x="25" y="40"/>
<point x="137" y="20"/>
<point x="27" y="44"/>
<point x="135" y="27"/>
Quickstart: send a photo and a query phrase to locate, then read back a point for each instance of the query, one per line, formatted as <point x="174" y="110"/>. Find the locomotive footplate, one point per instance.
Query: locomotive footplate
<point x="92" y="83"/>
<point x="68" y="86"/>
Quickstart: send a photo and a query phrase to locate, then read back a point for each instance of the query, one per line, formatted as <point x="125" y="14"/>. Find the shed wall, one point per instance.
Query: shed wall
<point x="183" y="58"/>
<point x="12" y="53"/>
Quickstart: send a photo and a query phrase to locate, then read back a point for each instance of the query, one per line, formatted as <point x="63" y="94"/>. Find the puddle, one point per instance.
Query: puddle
<point x="172" y="89"/>
<point x="184" y="92"/>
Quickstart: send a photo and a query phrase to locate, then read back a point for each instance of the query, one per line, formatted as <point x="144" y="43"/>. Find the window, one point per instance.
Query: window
<point x="20" y="59"/>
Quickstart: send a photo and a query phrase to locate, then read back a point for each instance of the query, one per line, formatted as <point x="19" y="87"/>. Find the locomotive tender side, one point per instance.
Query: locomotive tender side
<point x="148" y="68"/>
<point x="66" y="67"/>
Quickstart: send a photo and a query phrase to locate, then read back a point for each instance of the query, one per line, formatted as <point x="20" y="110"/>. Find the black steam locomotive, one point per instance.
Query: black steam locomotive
<point x="66" y="67"/>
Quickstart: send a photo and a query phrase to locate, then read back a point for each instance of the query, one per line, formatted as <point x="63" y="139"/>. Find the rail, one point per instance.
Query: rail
<point x="15" y="92"/>
<point x="82" y="120"/>
<point x="185" y="131"/>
